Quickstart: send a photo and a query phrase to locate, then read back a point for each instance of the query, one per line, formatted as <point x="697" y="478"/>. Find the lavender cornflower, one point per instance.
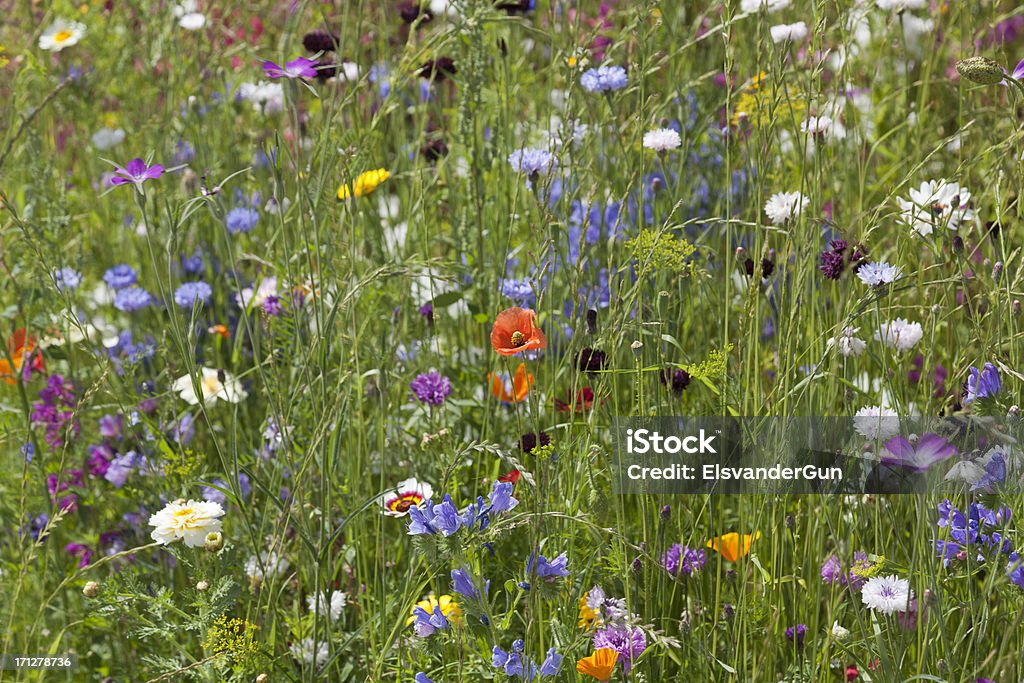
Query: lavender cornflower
<point x="680" y="560"/>
<point x="136" y="172"/>
<point x="242" y="219"/>
<point x="530" y="161"/>
<point x="297" y="68"/>
<point x="604" y="79"/>
<point x="67" y="279"/>
<point x="431" y="388"/>
<point x="120" y="276"/>
<point x="190" y="292"/>
<point x="132" y="299"/>
<point x="879" y="273"/>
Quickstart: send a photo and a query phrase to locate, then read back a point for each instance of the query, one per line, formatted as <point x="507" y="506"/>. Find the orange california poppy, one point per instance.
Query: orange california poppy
<point x="599" y="665"/>
<point x="515" y="330"/>
<point x="19" y="346"/>
<point x="733" y="546"/>
<point x="521" y="384"/>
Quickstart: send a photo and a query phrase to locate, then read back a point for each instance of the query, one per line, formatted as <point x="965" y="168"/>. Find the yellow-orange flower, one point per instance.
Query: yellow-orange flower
<point x="521" y="383"/>
<point x="449" y="608"/>
<point x="733" y="546"/>
<point x="599" y="665"/>
<point x="587" y="615"/>
<point x="20" y="346"/>
<point x="365" y="184"/>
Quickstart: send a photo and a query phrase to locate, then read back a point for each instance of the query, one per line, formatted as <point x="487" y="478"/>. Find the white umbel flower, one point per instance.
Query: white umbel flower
<point x="61" y="34"/>
<point x="189" y="521"/>
<point x="331" y="607"/>
<point x="879" y="273"/>
<point x="887" y="594"/>
<point x="215" y="385"/>
<point x="876" y="423"/>
<point x="839" y="632"/>
<point x="784" y="206"/>
<point x="900" y="334"/>
<point x="788" y="33"/>
<point x="847" y="344"/>
<point x="662" y="139"/>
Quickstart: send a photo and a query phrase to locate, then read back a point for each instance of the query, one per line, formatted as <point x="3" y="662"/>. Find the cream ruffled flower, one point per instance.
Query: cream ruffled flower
<point x="190" y="521"/>
<point x="215" y="384"/>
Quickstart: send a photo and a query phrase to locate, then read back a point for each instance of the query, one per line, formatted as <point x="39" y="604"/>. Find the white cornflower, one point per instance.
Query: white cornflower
<point x="847" y="344"/>
<point x="900" y="334"/>
<point x="936" y="204"/>
<point x="331" y="607"/>
<point x="662" y="139"/>
<point x="876" y="423"/>
<point x="267" y="565"/>
<point x="215" y="384"/>
<point x="887" y="594"/>
<point x="106" y="138"/>
<point x="767" y="5"/>
<point x="190" y="521"/>
<point x="782" y="206"/>
<point x="189" y="16"/>
<point x="879" y="273"/>
<point x="61" y="34"/>
<point x="305" y="651"/>
<point x="788" y="33"/>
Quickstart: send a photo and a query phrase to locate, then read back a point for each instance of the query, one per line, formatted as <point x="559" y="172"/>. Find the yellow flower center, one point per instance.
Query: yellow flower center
<point x="62" y="36"/>
<point x="211" y="385"/>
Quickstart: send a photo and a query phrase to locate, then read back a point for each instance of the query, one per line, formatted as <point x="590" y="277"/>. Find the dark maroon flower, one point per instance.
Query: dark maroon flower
<point x="427" y="311"/>
<point x="515" y="6"/>
<point x="413" y="10"/>
<point x="767" y="267"/>
<point x="320" y="41"/>
<point x="527" y="442"/>
<point x="677" y="379"/>
<point x="438" y="69"/>
<point x="434" y="150"/>
<point x="592" y="360"/>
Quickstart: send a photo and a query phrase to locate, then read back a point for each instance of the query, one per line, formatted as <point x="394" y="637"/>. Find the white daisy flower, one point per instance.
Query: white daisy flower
<point x="189" y="521"/>
<point x="876" y="423"/>
<point x="215" y="384"/>
<point x="887" y="594"/>
<point x="879" y="273"/>
<point x="847" y="344"/>
<point x="61" y="34"/>
<point x="408" y="494"/>
<point x="788" y="33"/>
<point x="936" y="204"/>
<point x="783" y="206"/>
<point x="899" y="334"/>
<point x="662" y="139"/>
<point x="331" y="607"/>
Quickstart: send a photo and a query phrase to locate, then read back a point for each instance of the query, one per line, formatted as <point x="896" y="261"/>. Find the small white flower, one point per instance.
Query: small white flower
<point x="899" y="334"/>
<point x="767" y="5"/>
<point x="332" y="607"/>
<point x="876" y="423"/>
<point x="839" y="632"/>
<point x="305" y="652"/>
<point x="879" y="273"/>
<point x="662" y="139"/>
<point x="824" y="127"/>
<point x="900" y="5"/>
<point x="61" y="34"/>
<point x="190" y="521"/>
<point x="106" y="138"/>
<point x="189" y="16"/>
<point x="847" y="344"/>
<point x="887" y="594"/>
<point x="267" y="565"/>
<point x="215" y="384"/>
<point x="348" y="71"/>
<point x="782" y="206"/>
<point x="264" y="96"/>
<point x="788" y="33"/>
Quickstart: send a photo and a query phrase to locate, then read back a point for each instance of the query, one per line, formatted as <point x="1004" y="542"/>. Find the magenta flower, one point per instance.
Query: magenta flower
<point x="919" y="457"/>
<point x="297" y="68"/>
<point x="136" y="172"/>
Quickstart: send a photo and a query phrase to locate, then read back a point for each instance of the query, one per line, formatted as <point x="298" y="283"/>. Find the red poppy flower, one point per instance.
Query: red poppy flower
<point x="583" y="401"/>
<point x="511" y="477"/>
<point x="514" y="391"/>
<point x="515" y="330"/>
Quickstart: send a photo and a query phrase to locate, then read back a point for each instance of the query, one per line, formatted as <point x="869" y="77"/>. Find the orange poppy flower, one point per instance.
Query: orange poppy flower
<point x="599" y="665"/>
<point x="220" y="330"/>
<point x="521" y="384"/>
<point x="19" y="346"/>
<point x="733" y="546"/>
<point x="515" y="330"/>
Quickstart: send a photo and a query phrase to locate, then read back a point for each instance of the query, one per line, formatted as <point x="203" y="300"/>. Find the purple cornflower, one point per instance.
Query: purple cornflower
<point x="242" y="219"/>
<point x="796" y="634"/>
<point x="531" y="162"/>
<point x="297" y="68"/>
<point x="67" y="279"/>
<point x="120" y="276"/>
<point x="983" y="383"/>
<point x="136" y="172"/>
<point x="547" y="569"/>
<point x="629" y="642"/>
<point x="190" y="292"/>
<point x="431" y="388"/>
<point x="132" y="299"/>
<point x="680" y="560"/>
<point x="604" y="79"/>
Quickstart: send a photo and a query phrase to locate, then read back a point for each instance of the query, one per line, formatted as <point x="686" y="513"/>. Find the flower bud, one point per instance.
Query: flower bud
<point x="214" y="541"/>
<point x="202" y="586"/>
<point x="1015" y="306"/>
<point x="981" y="70"/>
<point x="91" y="589"/>
<point x="997" y="271"/>
<point x="262" y="678"/>
<point x="636" y="346"/>
<point x="666" y="512"/>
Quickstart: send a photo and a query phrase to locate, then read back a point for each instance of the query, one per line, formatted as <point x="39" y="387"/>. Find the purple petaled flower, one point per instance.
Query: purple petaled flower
<point x="55" y="411"/>
<point x="861" y="566"/>
<point x="630" y="643"/>
<point x="501" y="498"/>
<point x="982" y="383"/>
<point x="548" y="569"/>
<point x="297" y="68"/>
<point x="446" y="517"/>
<point x="426" y="623"/>
<point x="680" y="560"/>
<point x="462" y="583"/>
<point x="1018" y="71"/>
<point x="604" y="79"/>
<point x="120" y="276"/>
<point x="136" y="172"/>
<point x="918" y="457"/>
<point x="796" y="634"/>
<point x="132" y="299"/>
<point x="431" y="388"/>
<point x="67" y="279"/>
<point x="1015" y="570"/>
<point x="832" y="571"/>
<point x="190" y="292"/>
<point x="81" y="551"/>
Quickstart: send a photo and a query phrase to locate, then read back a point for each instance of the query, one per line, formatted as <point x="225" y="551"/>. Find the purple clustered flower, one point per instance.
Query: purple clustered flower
<point x="120" y="276"/>
<point x="81" y="551"/>
<point x="832" y="571"/>
<point x="513" y="663"/>
<point x="54" y="411"/>
<point x="978" y="528"/>
<point x="680" y="560"/>
<point x="190" y="292"/>
<point x="629" y="642"/>
<point x="462" y="583"/>
<point x="519" y="291"/>
<point x="837" y="257"/>
<point x="57" y="485"/>
<point x="796" y="634"/>
<point x="242" y="219"/>
<point x="431" y="388"/>
<point x="132" y="299"/>
<point x="427" y="623"/>
<point x="604" y="79"/>
<point x="547" y="569"/>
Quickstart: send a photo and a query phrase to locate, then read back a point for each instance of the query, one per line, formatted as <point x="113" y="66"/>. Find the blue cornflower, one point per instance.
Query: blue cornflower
<point x="422" y="678"/>
<point x="132" y="299"/>
<point x="190" y="292"/>
<point x="545" y="568"/>
<point x="120" y="276"/>
<point x="242" y="219"/>
<point x="983" y="383"/>
<point x="519" y="291"/>
<point x="530" y="161"/>
<point x="67" y="279"/>
<point x="604" y="79"/>
<point x="194" y="264"/>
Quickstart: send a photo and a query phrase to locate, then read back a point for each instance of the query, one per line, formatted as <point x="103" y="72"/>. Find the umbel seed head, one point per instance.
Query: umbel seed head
<point x="980" y="70"/>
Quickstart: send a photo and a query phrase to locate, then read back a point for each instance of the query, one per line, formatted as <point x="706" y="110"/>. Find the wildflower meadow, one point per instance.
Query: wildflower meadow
<point x="333" y="333"/>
